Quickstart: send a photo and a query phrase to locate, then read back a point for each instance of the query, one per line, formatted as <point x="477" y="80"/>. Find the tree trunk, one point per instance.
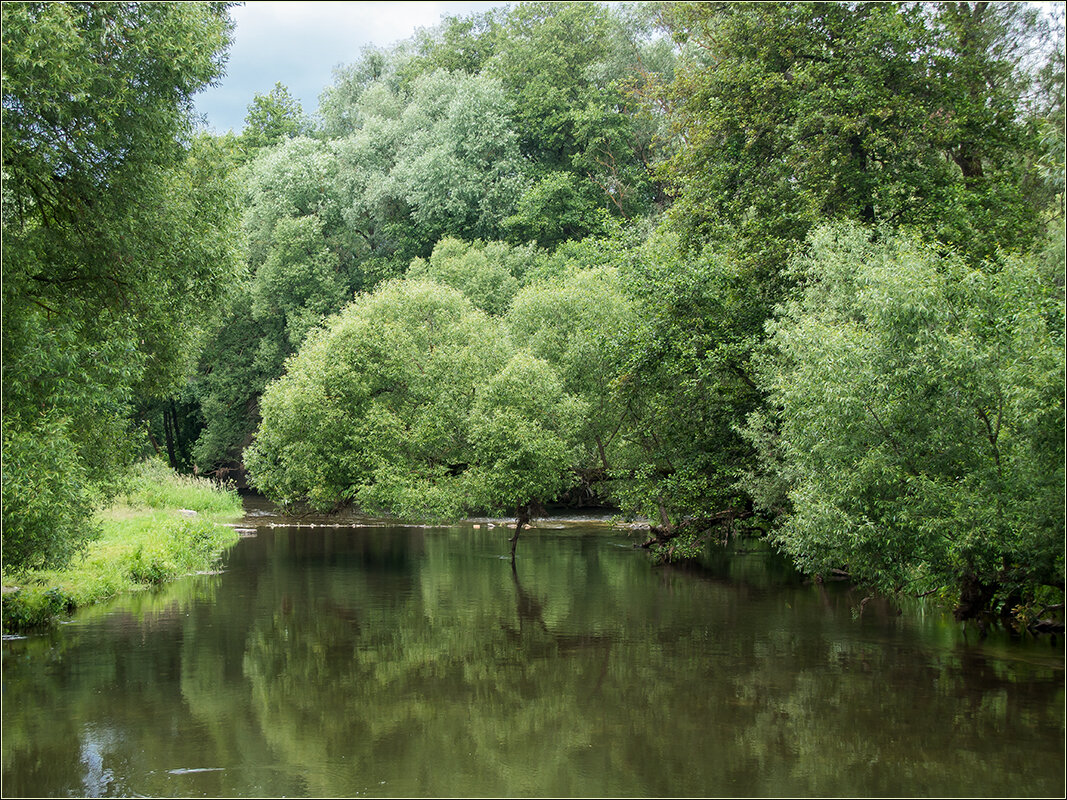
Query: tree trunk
<point x="603" y="454"/>
<point x="170" y="430"/>
<point x="664" y="520"/>
<point x="975" y="597"/>
<point x="152" y="441"/>
<point x="522" y="519"/>
<point x="664" y="534"/>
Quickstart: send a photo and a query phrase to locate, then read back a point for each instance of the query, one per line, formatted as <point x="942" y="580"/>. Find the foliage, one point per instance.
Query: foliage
<point x="376" y="73"/>
<point x="521" y="428"/>
<point x="525" y="318"/>
<point x="581" y="322"/>
<point x="566" y="68"/>
<point x="439" y="160"/>
<point x="559" y="207"/>
<point x="412" y="401"/>
<point x="685" y="383"/>
<point x="118" y="229"/>
<point x="458" y="44"/>
<point x="426" y="142"/>
<point x="487" y="273"/>
<point x="231" y="376"/>
<point x="47" y="492"/>
<point x="786" y="115"/>
<point x="793" y="113"/>
<point x="325" y="218"/>
<point x="152" y="485"/>
<point x="273" y="117"/>
<point x="300" y="269"/>
<point x="920" y="408"/>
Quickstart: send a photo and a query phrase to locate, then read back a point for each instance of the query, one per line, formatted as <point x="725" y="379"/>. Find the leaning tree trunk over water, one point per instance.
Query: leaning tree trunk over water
<point x="700" y="525"/>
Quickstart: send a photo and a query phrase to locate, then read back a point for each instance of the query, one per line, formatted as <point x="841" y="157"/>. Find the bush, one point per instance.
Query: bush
<point x="48" y="500"/>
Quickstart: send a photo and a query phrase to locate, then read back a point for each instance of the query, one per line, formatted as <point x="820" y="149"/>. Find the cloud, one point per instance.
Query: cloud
<point x="300" y="43"/>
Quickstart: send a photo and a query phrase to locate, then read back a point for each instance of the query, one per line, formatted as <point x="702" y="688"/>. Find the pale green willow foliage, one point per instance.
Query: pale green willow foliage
<point x="581" y="323"/>
<point x="920" y="409"/>
<point x="487" y="273"/>
<point x="413" y="402"/>
<point x="440" y="161"/>
<point x="293" y="179"/>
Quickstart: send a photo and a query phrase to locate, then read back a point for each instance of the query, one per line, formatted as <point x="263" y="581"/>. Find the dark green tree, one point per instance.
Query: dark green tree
<point x="568" y="69"/>
<point x="912" y="115"/>
<point x="118" y="234"/>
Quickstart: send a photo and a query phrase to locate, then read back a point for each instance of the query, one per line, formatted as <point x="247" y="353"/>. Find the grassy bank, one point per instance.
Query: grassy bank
<point x="149" y="536"/>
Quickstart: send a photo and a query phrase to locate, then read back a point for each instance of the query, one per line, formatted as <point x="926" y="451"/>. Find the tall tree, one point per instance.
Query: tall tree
<point x="118" y="231"/>
<point x="566" y="68"/>
<point x="325" y="218"/>
<point x="906" y="114"/>
<point x="273" y="117"/>
<point x="582" y="322"/>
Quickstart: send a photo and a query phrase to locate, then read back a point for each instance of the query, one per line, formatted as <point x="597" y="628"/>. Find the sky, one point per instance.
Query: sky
<point x="299" y="44"/>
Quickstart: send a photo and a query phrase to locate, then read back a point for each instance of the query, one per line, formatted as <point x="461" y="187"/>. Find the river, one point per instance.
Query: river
<point x="363" y="658"/>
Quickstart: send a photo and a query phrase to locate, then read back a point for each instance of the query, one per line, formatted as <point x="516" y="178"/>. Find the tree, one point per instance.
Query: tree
<point x="273" y="117"/>
<point x="413" y="402"/>
<point x="302" y="265"/>
<point x="566" y="68"/>
<point x="786" y="116"/>
<point x="911" y="115"/>
<point x="435" y="159"/>
<point x="685" y="386"/>
<point x="920" y="408"/>
<point x="582" y="322"/>
<point x="376" y="71"/>
<point x="118" y="230"/>
<point x="458" y="166"/>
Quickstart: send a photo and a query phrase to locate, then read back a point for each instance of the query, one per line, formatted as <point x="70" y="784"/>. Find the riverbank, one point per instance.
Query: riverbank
<point x="163" y="527"/>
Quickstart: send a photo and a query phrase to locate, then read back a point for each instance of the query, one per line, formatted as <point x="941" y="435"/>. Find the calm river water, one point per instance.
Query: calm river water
<point x="400" y="661"/>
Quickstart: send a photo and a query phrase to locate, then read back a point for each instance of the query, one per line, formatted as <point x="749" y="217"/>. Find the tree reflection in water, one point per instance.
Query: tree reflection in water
<point x="410" y="661"/>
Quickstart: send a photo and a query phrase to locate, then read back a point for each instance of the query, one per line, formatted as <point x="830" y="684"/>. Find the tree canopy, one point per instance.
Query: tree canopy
<point x="414" y="402"/>
<point x="705" y="355"/>
<point x="119" y="231"/>
<point x="920" y="409"/>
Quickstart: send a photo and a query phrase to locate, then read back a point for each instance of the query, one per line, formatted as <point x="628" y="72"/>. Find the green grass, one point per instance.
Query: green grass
<point x="146" y="540"/>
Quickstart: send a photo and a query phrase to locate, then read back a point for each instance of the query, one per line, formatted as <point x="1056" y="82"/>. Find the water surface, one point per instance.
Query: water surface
<point x="401" y="661"/>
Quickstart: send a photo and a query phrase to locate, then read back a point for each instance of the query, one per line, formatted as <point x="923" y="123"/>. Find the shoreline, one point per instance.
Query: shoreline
<point x="164" y="527"/>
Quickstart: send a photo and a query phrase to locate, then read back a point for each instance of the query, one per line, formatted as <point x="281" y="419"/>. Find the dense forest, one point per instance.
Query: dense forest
<point x="793" y="270"/>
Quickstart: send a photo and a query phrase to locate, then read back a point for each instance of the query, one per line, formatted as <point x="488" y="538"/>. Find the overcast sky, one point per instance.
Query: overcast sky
<point x="299" y="44"/>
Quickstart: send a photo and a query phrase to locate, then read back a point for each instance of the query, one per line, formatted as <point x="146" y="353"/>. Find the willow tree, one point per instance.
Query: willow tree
<point x="919" y="409"/>
<point x="413" y="402"/>
<point x="582" y="323"/>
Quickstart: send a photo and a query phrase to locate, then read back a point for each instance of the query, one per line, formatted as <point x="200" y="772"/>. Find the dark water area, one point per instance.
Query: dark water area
<point x="383" y="660"/>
